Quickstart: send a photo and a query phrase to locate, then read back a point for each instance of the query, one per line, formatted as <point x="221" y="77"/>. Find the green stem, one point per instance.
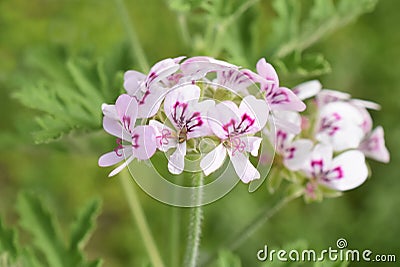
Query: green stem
<point x="134" y="41"/>
<point x="140" y="219"/>
<point x="184" y="29"/>
<point x="193" y="245"/>
<point x="252" y="227"/>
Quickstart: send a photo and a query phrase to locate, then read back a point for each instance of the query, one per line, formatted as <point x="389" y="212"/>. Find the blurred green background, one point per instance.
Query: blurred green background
<point x="364" y="58"/>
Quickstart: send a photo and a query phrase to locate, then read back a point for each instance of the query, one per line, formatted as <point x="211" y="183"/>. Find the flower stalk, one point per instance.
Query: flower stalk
<point x="140" y="219"/>
<point x="196" y="218"/>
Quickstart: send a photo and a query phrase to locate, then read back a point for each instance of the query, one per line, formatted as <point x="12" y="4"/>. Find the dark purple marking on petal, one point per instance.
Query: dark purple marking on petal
<point x="317" y="167"/>
<point x="335" y="173"/>
<point x="142" y="100"/>
<point x="279" y="97"/>
<point x="194" y="121"/>
<point x="135" y="139"/>
<point x="178" y="114"/>
<point x="126" y="121"/>
<point x="290" y="152"/>
<point x="329" y="124"/>
<point x="237" y="145"/>
<point x="150" y="78"/>
<point x="229" y="128"/>
<point x="163" y="138"/>
<point x="280" y="139"/>
<point x="119" y="147"/>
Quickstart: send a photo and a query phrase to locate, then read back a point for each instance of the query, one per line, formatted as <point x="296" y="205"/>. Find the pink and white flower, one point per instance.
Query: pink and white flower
<point x="133" y="142"/>
<point x="235" y="127"/>
<point x="344" y="172"/>
<point x="150" y="89"/>
<point x="187" y="116"/>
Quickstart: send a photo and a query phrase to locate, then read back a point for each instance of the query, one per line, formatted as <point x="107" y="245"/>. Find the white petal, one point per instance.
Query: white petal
<point x="213" y="160"/>
<point x="307" y="89"/>
<point x="352" y="169"/>
<point x="176" y="161"/>
<point x="110" y="111"/>
<point x="121" y="167"/>
<point x="374" y="146"/>
<point x="243" y="167"/>
<point x="257" y="108"/>
<point x="319" y="161"/>
<point x="133" y="81"/>
<point x="182" y="94"/>
<point x="144" y="142"/>
<point x="288" y="121"/>
<point x="223" y="114"/>
<point x="251" y="144"/>
<point x="326" y="96"/>
<point x="366" y="104"/>
<point x="150" y="103"/>
<point x="297" y="154"/>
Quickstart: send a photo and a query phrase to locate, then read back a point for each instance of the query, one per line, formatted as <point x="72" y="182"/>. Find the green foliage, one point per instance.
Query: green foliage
<point x="227" y="259"/>
<point x="68" y="91"/>
<point x="293" y="32"/>
<point x="47" y="240"/>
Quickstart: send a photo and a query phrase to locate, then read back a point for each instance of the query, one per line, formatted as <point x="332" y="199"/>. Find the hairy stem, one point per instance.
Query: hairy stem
<point x="250" y="228"/>
<point x="140" y="219"/>
<point x="137" y="49"/>
<point x="196" y="217"/>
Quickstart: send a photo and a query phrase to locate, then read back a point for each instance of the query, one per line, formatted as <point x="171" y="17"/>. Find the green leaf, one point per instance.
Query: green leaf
<point x="41" y="223"/>
<point x="7" y="241"/>
<point x="298" y="66"/>
<point x="293" y="32"/>
<point x="84" y="225"/>
<point x="68" y="91"/>
<point x="36" y="219"/>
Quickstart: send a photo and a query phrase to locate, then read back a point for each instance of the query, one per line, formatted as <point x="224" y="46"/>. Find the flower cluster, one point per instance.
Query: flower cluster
<point x="180" y="102"/>
<point x="335" y="136"/>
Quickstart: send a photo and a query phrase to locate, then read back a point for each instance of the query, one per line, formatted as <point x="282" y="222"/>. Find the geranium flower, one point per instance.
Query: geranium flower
<point x="150" y="89"/>
<point x="133" y="142"/>
<point x="187" y="116"/>
<point x="234" y="126"/>
<point x="344" y="172"/>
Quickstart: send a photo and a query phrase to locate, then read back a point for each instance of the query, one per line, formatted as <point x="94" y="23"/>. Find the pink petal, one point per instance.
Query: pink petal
<point x="113" y="127"/>
<point x="284" y="99"/>
<point x="198" y="67"/>
<point x="112" y="157"/>
<point x="267" y="72"/>
<point x="110" y="111"/>
<point x="127" y="109"/>
<point x="213" y="160"/>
